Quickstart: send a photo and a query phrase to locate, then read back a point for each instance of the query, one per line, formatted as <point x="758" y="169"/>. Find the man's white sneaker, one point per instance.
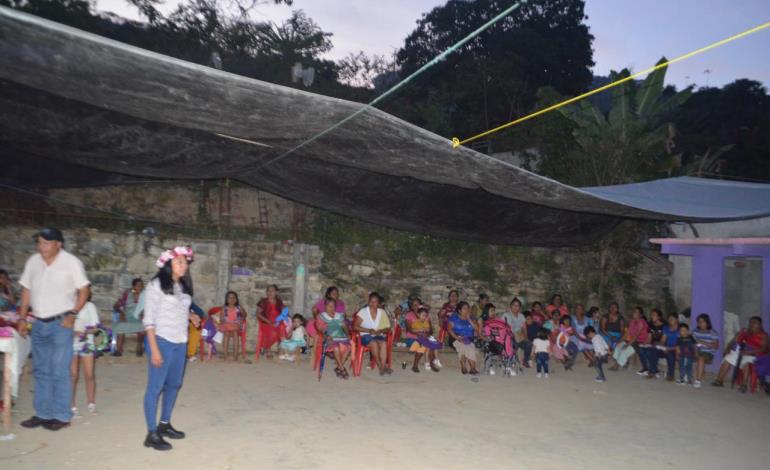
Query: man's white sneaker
<point x="539" y="375"/>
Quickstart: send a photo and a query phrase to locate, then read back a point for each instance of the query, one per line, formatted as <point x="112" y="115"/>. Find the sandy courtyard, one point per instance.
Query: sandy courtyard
<point x="277" y="416"/>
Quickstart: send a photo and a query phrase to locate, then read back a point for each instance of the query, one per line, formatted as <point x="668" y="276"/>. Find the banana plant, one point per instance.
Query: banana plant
<point x="634" y="140"/>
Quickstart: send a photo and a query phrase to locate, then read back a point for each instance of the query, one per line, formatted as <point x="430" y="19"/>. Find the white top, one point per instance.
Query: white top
<point x="541" y="345"/>
<point x="298" y="334"/>
<point x="87" y="317"/>
<point x="53" y="288"/>
<point x="367" y="321"/>
<point x="600" y="345"/>
<point x="167" y="314"/>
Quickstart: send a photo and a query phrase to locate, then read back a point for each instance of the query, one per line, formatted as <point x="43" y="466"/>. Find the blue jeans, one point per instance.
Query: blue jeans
<point x="685" y="368"/>
<point x="51" y="357"/>
<point x="541" y="359"/>
<point x="525" y="346"/>
<point x="599" y="362"/>
<point x="648" y="356"/>
<point x="166" y="379"/>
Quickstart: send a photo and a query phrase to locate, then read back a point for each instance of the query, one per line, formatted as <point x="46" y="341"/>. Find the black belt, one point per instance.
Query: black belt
<point x="55" y="317"/>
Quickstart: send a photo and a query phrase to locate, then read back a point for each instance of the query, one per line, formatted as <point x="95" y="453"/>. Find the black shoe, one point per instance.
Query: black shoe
<point x="55" y="425"/>
<point x="117" y="354"/>
<point x="156" y="441"/>
<point x="165" y="429"/>
<point x="34" y="422"/>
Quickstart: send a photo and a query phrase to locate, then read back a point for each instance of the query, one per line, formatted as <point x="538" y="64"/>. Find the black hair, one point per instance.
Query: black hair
<point x="705" y="317"/>
<point x="3" y="271"/>
<point x="759" y="319"/>
<point x="136" y="280"/>
<point x="485" y="311"/>
<point x="553" y="297"/>
<point x="588" y="330"/>
<point x="672" y="314"/>
<point x="483" y="296"/>
<point x="453" y="291"/>
<point x="542" y="333"/>
<point x="537" y="303"/>
<point x="565" y="318"/>
<point x="685" y="326"/>
<point x="164" y="276"/>
<point x="592" y="311"/>
<point x="237" y="300"/>
<point x="461" y="304"/>
<point x="375" y="294"/>
<point x="299" y="317"/>
<point x="515" y="300"/>
<point x="527" y="314"/>
<point x="329" y="290"/>
<point x="423" y="308"/>
<point x="617" y="305"/>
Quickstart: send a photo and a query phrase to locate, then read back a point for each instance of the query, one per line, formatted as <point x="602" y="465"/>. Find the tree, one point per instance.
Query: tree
<point x="493" y="78"/>
<point x="633" y="141"/>
<point x="730" y="128"/>
<point x="360" y="70"/>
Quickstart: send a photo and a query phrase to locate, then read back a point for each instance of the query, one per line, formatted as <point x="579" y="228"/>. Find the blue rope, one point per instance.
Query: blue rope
<point x="405" y="81"/>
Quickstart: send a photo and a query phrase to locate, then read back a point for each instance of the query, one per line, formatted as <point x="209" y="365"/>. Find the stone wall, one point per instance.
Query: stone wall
<point x="302" y="272"/>
<point x="193" y="202"/>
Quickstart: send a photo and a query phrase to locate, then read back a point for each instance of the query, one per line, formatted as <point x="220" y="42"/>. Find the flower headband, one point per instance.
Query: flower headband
<point x="168" y="255"/>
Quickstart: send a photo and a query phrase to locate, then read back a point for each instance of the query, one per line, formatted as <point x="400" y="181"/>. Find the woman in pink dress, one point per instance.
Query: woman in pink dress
<point x="332" y="293"/>
<point x="268" y="309"/>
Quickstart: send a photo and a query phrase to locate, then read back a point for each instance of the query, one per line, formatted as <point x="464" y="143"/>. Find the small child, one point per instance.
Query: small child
<point x="542" y="351"/>
<point x="601" y="351"/>
<point x="425" y="342"/>
<point x="295" y="339"/>
<point x="209" y="332"/>
<point x="84" y="350"/>
<point x="685" y="351"/>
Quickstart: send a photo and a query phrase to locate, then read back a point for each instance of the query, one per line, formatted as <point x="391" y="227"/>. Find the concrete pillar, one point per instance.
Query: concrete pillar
<point x="300" y="279"/>
<point x="224" y="251"/>
<point x="708" y="293"/>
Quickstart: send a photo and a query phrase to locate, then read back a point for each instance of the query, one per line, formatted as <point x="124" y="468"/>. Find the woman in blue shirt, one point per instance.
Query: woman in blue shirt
<point x="462" y="329"/>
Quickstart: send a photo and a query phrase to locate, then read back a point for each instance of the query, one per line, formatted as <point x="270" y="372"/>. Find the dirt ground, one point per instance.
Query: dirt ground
<point x="273" y="415"/>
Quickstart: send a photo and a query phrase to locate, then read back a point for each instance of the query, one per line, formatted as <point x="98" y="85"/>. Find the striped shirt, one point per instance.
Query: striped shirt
<point x="703" y="337"/>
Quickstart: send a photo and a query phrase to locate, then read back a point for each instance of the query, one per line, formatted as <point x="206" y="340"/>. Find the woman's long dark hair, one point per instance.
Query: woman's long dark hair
<point x="237" y="300"/>
<point x="164" y="276"/>
<point x="329" y="290"/>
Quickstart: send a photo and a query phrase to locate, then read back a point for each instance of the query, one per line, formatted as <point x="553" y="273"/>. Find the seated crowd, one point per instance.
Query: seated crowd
<point x="486" y="339"/>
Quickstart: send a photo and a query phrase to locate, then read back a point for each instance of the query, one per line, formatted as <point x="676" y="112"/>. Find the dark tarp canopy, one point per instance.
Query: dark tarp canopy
<point x="92" y="102"/>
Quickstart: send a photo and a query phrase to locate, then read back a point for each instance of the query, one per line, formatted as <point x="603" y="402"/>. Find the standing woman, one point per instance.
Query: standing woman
<point x="166" y="313"/>
<point x="268" y="309"/>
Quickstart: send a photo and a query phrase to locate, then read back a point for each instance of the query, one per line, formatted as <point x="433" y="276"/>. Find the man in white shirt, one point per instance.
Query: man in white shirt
<point x="55" y="287"/>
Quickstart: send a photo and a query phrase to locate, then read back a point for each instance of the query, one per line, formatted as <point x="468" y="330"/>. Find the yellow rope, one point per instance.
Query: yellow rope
<point x="456" y="142"/>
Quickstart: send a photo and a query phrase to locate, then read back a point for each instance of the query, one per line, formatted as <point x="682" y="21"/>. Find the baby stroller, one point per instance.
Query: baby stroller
<point x="500" y="350"/>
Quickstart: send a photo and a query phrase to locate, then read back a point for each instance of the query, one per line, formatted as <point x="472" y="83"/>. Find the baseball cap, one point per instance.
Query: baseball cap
<point x="50" y="234"/>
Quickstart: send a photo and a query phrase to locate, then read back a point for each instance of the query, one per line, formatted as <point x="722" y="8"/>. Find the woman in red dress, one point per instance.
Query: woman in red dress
<point x="268" y="309"/>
